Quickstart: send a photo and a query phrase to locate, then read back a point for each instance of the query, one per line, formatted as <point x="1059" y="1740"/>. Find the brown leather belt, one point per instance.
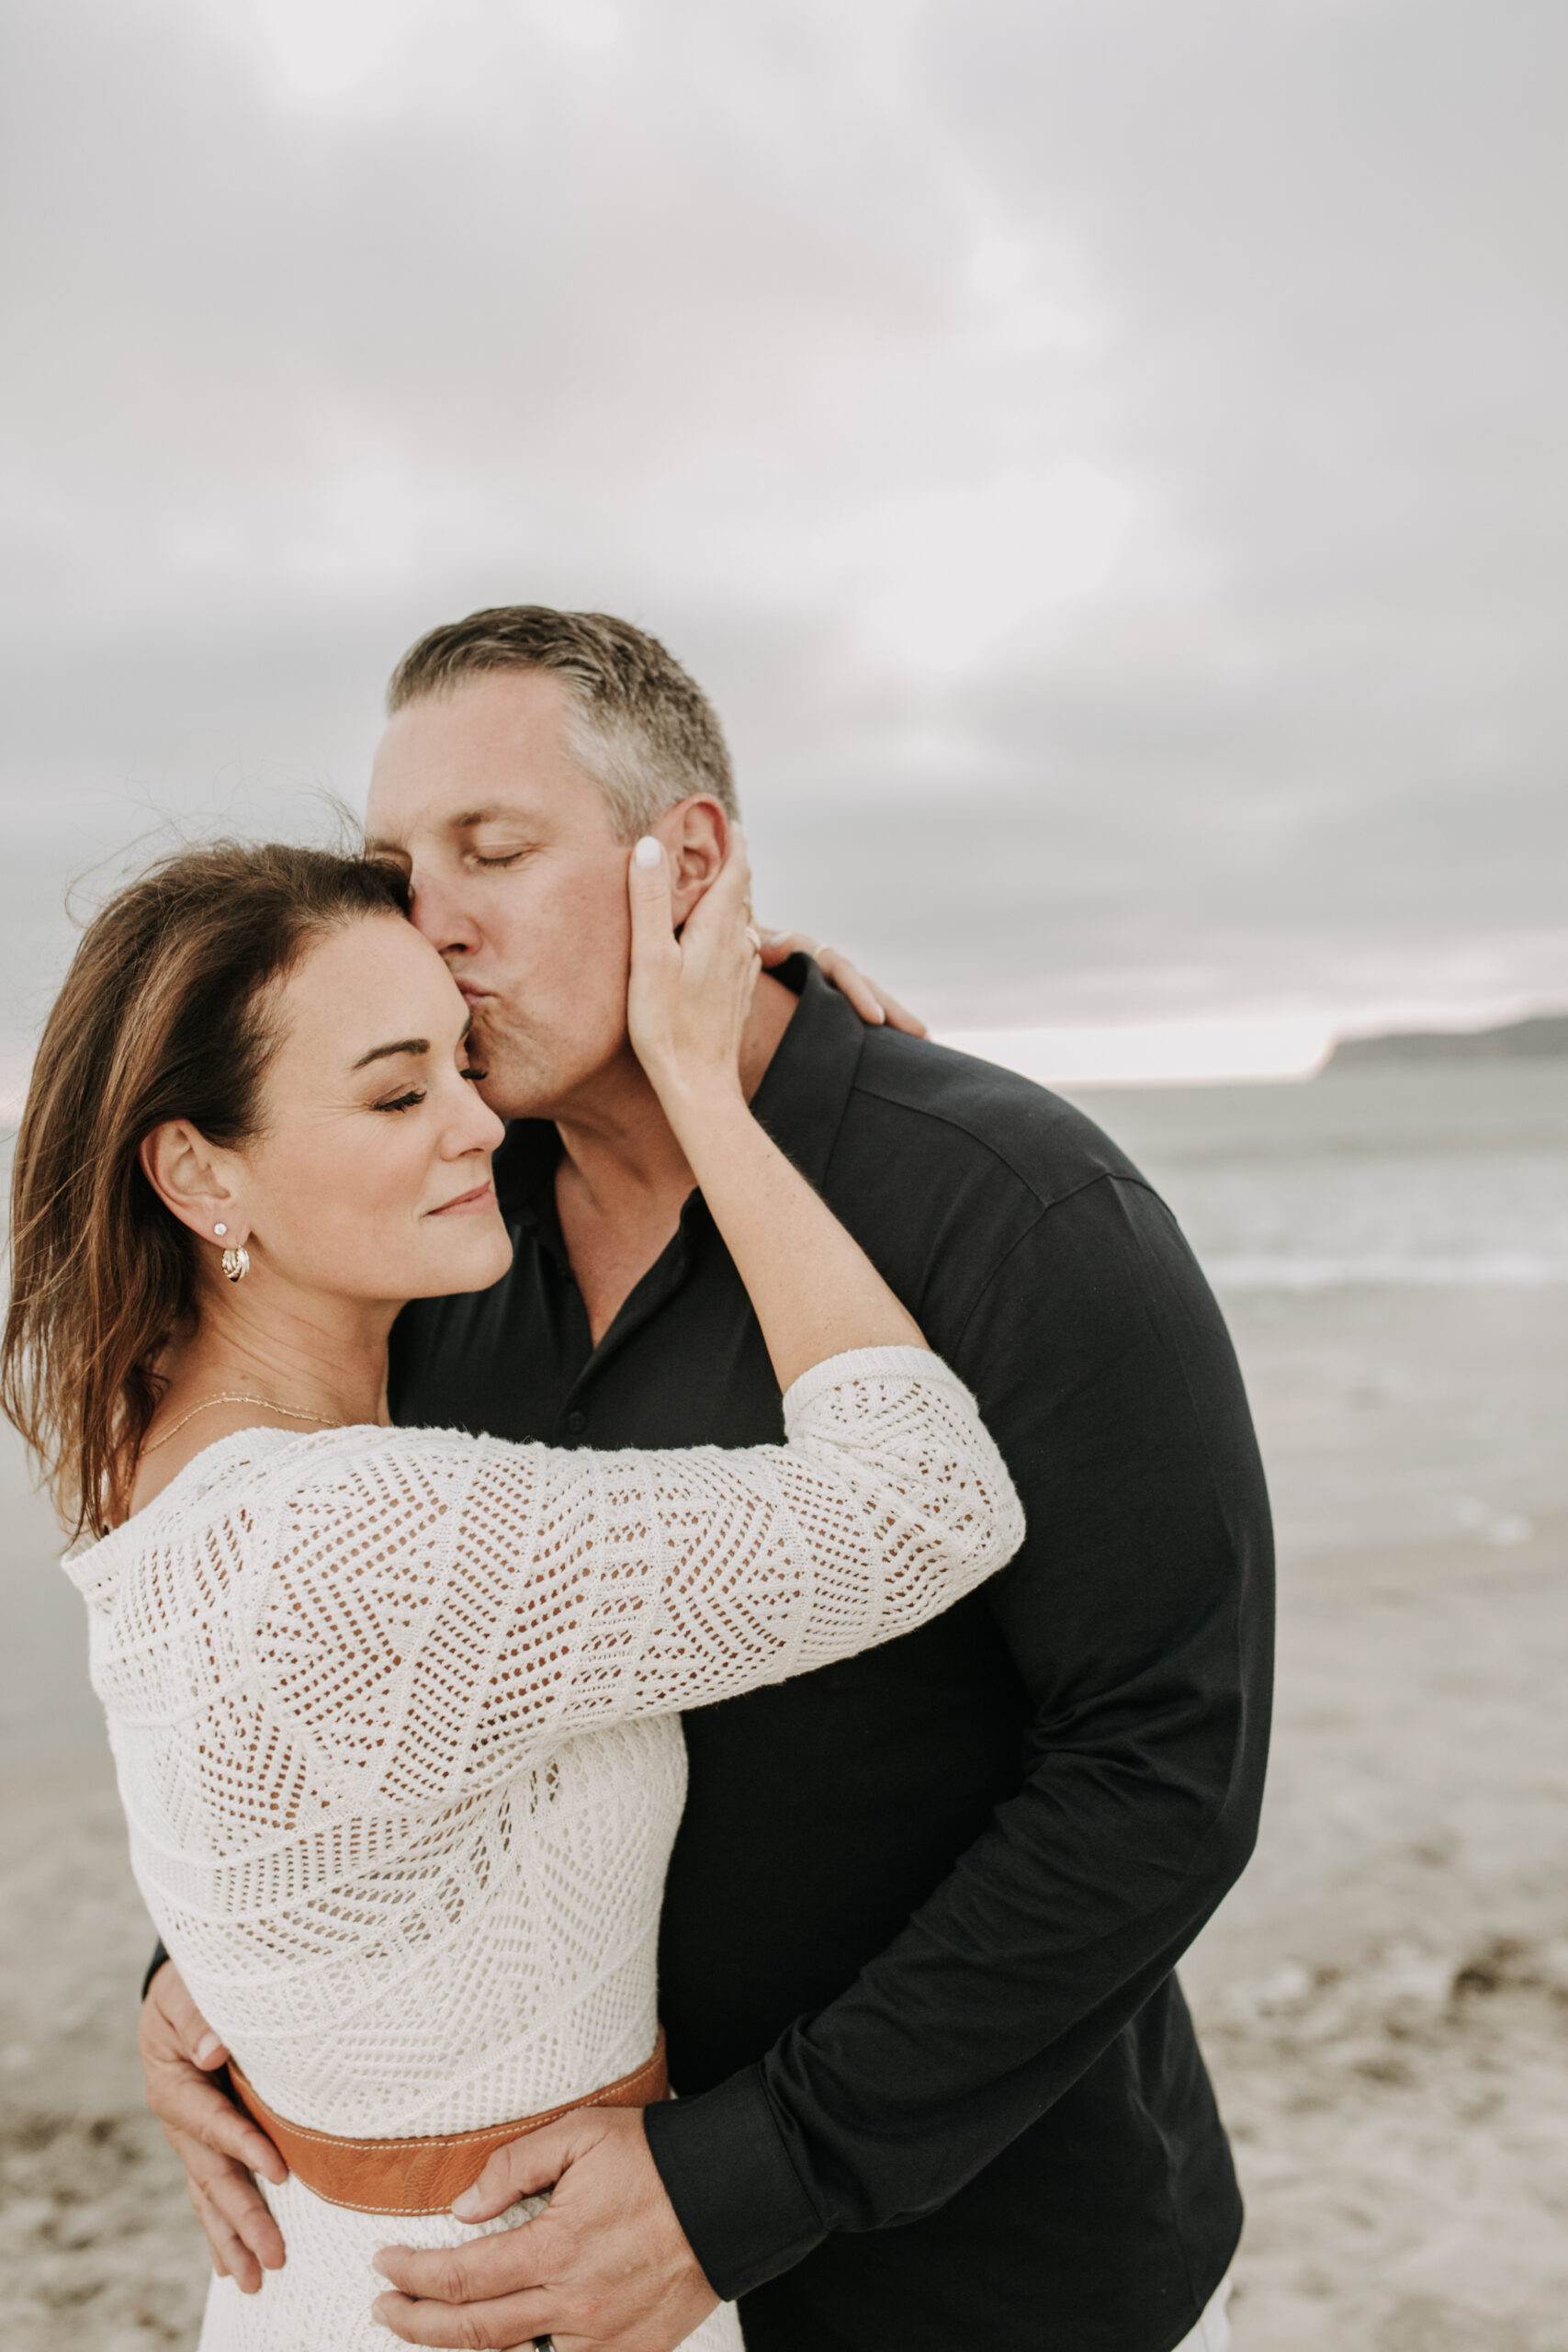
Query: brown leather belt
<point x="422" y="2175"/>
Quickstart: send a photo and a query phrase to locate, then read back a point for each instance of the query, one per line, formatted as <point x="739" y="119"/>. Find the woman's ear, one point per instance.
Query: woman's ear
<point x="185" y="1172"/>
<point x="696" y="834"/>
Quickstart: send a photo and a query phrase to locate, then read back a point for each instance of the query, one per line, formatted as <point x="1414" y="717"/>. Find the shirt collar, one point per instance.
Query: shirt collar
<point x="806" y="1087"/>
<point x="805" y="1092"/>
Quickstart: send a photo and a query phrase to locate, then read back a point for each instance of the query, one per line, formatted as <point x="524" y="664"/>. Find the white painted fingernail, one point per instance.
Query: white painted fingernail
<point x="208" y="2049"/>
<point x="648" y="851"/>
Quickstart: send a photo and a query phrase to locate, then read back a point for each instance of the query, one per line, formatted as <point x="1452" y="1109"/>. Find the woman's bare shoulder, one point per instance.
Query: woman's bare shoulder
<point x="163" y="1460"/>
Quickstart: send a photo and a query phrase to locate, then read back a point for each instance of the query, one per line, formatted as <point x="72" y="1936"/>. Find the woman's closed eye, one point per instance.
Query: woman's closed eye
<point x="416" y="1094"/>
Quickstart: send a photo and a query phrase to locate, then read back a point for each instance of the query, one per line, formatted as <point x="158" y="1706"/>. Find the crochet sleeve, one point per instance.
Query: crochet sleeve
<point x="437" y="1609"/>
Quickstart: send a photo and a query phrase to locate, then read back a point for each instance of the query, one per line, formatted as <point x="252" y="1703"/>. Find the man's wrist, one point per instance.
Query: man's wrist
<point x="728" y="2174"/>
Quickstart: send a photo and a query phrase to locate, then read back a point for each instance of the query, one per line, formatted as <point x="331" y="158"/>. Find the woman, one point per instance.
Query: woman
<point x="395" y="1712"/>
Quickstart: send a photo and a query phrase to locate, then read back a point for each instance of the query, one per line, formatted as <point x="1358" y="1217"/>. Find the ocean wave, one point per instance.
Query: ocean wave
<point x="1483" y="1270"/>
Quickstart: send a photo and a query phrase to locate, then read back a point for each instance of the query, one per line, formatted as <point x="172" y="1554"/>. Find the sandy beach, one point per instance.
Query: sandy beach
<point x="1384" y="1999"/>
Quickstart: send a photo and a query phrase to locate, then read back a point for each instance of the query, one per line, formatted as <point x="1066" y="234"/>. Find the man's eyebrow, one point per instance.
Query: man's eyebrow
<point x="403" y="1045"/>
<point x="466" y="821"/>
<point x="498" y="812"/>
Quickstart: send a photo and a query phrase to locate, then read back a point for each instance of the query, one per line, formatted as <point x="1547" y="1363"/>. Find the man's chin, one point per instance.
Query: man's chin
<point x="512" y="1096"/>
<point x="517" y="1085"/>
<point x="514" y="1086"/>
<point x="508" y="1103"/>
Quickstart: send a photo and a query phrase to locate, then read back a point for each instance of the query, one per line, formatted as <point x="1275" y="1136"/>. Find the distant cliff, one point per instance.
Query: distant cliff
<point x="1544" y="1035"/>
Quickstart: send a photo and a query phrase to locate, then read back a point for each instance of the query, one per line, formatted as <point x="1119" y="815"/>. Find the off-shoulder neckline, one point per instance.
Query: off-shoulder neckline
<point x="828" y="1373"/>
<point x="182" y="1478"/>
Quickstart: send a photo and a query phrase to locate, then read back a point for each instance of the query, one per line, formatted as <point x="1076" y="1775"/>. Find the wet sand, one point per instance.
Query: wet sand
<point x="99" y="2248"/>
<point x="1384" y="1998"/>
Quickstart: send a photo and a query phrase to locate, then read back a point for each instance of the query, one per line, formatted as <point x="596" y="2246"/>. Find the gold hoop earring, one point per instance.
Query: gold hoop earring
<point x="237" y="1263"/>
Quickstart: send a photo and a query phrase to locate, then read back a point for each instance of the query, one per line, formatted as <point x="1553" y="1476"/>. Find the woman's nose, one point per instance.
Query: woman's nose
<point x="481" y="1130"/>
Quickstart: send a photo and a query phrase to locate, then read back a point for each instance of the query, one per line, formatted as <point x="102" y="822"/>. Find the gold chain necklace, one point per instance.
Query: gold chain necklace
<point x="229" y="1396"/>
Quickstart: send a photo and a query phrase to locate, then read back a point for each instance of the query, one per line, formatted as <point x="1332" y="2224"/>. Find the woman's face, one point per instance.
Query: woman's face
<point x="371" y="1176"/>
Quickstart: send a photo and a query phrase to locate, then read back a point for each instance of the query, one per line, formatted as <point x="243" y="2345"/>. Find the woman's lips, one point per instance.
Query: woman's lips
<point x="480" y="1197"/>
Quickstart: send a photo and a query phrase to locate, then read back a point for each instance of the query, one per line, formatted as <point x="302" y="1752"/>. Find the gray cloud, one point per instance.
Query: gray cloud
<point x="1107" y="461"/>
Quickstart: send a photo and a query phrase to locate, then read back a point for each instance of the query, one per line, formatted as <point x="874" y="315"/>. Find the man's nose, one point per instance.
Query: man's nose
<point x="436" y="909"/>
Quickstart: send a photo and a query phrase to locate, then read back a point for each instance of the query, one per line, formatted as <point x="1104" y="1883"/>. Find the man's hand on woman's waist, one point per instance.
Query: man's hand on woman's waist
<point x="606" y="2264"/>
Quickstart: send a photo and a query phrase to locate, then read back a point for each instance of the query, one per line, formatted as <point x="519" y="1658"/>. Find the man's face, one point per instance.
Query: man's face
<point x="518" y="881"/>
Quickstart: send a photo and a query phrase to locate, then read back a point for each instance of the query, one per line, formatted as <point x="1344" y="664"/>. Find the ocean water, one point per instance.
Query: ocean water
<point x="1390" y="1250"/>
<point x="1425" y="1177"/>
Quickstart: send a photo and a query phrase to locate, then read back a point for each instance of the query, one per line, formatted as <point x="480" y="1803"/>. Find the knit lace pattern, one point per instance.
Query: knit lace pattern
<point x="395" y="1714"/>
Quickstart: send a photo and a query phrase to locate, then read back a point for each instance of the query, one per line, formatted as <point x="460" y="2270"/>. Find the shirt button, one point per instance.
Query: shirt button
<point x="577" y="1423"/>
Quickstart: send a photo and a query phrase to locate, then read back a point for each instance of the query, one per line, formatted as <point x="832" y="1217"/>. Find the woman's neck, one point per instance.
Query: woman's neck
<point x="324" y="1356"/>
<point x="264" y="1362"/>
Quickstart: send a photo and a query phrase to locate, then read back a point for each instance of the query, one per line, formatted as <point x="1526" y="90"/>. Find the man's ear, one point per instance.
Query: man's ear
<point x="696" y="834"/>
<point x="191" y="1181"/>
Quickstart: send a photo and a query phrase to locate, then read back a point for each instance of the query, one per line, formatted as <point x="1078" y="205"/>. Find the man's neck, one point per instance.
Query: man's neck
<point x="623" y="1180"/>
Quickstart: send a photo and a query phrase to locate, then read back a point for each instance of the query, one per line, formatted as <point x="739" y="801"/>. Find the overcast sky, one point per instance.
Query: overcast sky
<point x="1107" y="459"/>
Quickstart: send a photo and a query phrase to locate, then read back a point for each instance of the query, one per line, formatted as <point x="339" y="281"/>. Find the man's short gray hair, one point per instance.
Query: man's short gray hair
<point x="641" y="728"/>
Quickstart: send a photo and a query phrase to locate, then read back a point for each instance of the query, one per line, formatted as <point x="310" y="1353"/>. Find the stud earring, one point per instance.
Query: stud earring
<point x="219" y="1230"/>
<point x="237" y="1263"/>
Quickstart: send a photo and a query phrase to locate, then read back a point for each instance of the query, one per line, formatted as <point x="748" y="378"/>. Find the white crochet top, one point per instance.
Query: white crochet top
<point x="395" y="1716"/>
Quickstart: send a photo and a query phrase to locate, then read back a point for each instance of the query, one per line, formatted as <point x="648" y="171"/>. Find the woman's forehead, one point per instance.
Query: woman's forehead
<point x="368" y="981"/>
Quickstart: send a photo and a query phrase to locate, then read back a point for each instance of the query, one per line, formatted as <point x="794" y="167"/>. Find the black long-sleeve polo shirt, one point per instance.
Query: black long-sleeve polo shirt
<point x="938" y="2084"/>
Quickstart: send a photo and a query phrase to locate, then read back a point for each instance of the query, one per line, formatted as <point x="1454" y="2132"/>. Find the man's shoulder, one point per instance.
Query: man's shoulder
<point x="955" y="1105"/>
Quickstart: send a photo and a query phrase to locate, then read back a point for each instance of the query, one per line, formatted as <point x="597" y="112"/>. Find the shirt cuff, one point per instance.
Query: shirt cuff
<point x="728" y="2173"/>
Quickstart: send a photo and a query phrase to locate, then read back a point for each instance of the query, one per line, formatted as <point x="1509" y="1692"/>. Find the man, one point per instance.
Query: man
<point x="937" y="2082"/>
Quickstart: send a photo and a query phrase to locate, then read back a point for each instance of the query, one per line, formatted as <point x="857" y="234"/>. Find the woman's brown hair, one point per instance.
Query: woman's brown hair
<point x="164" y="1015"/>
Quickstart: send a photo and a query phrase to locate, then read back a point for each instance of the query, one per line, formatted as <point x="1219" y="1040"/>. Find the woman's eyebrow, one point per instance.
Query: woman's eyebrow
<point x="403" y="1045"/>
